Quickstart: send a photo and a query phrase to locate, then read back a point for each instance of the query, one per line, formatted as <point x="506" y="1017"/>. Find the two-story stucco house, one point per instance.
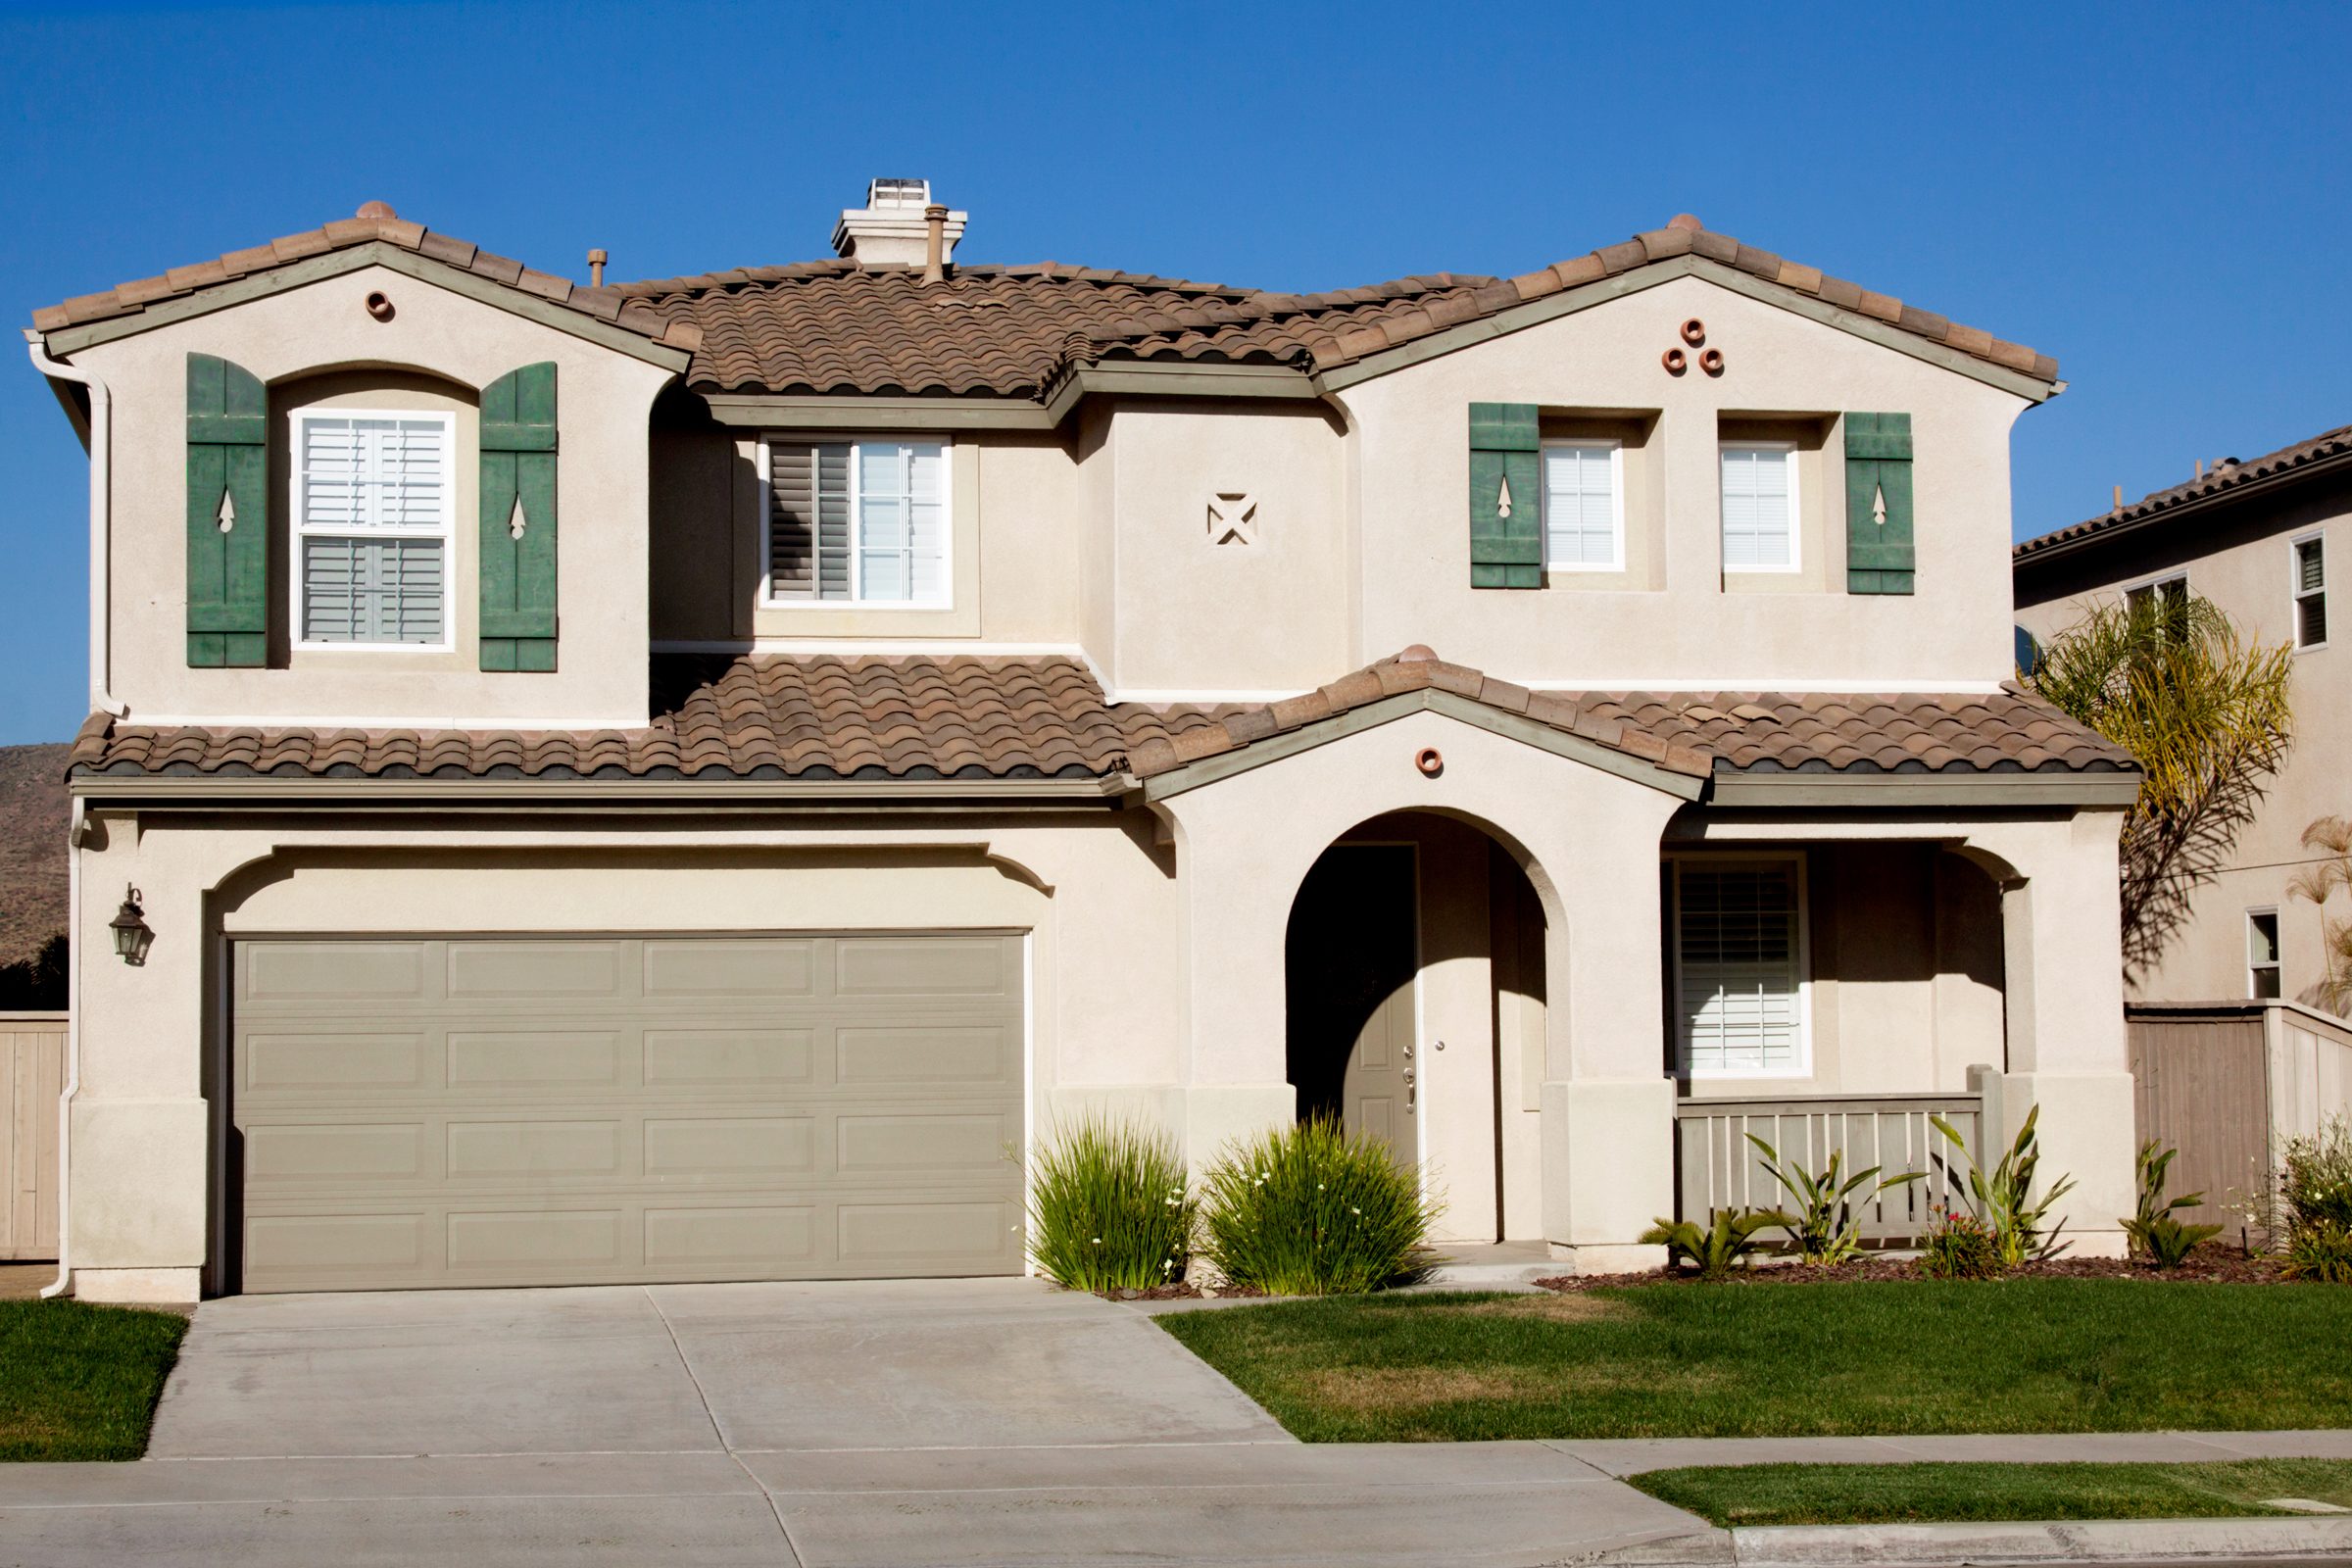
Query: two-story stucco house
<point x="2262" y="539"/>
<point x="678" y="780"/>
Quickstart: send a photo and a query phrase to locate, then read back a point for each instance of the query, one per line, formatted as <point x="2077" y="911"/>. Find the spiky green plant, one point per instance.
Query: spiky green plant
<point x="1310" y="1211"/>
<point x="1721" y="1246"/>
<point x="1110" y="1206"/>
<point x="2203" y="711"/>
<point x="2003" y="1197"/>
<point x="1822" y="1221"/>
<point x="2155" y="1234"/>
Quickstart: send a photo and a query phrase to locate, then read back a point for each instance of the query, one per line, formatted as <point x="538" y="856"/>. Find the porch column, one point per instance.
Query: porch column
<point x="1608" y="1101"/>
<point x="2061" y="928"/>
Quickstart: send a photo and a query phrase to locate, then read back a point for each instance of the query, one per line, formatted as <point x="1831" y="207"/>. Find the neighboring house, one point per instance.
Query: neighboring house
<point x="967" y="697"/>
<point x="2265" y="541"/>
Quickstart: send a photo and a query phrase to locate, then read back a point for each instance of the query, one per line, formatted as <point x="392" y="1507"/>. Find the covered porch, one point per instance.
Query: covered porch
<point x="1566" y="973"/>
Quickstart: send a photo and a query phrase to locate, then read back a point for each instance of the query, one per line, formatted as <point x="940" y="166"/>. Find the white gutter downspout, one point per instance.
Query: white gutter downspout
<point x="101" y="499"/>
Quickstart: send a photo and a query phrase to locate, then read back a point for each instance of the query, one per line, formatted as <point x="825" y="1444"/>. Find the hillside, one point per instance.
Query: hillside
<point x="33" y="849"/>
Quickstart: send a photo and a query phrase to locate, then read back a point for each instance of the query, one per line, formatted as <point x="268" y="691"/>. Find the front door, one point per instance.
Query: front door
<point x="1352" y="954"/>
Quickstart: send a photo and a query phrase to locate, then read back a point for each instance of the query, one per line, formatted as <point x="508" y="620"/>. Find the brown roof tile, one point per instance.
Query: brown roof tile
<point x="2331" y="448"/>
<point x="376" y="224"/>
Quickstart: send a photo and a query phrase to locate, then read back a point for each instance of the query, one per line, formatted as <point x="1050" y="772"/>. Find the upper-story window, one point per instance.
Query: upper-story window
<point x="2171" y="592"/>
<point x="374" y="521"/>
<point x="2310" y="591"/>
<point x="1759" y="506"/>
<point x="2262" y="954"/>
<point x="1584" y="506"/>
<point x="860" y="521"/>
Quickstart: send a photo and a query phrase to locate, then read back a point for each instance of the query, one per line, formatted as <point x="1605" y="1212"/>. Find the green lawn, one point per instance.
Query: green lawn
<point x="81" y="1382"/>
<point x="1918" y="1493"/>
<point x="1694" y="1360"/>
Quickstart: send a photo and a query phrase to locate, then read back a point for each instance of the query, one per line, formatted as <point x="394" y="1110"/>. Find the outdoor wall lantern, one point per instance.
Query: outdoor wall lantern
<point x="132" y="936"/>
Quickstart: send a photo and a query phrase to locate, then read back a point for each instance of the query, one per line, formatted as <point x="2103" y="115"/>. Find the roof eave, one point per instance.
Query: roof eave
<point x="2103" y="532"/>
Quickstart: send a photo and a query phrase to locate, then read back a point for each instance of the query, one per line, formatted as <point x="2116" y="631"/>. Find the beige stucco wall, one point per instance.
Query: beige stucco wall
<point x="1411" y="433"/>
<point x="603" y="400"/>
<point x="2241" y="557"/>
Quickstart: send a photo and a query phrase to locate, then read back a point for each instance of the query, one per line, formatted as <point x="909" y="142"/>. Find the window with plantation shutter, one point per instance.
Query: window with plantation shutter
<point x="372" y="524"/>
<point x="1740" y="966"/>
<point x="2310" y="591"/>
<point x="1759" y="507"/>
<point x="1584" y="506"/>
<point x="857" y="522"/>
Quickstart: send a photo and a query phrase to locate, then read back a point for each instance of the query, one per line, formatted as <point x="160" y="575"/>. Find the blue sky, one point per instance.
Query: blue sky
<point x="2155" y="194"/>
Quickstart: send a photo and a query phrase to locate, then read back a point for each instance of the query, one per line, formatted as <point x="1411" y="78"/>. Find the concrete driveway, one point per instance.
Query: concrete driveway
<point x="879" y="1423"/>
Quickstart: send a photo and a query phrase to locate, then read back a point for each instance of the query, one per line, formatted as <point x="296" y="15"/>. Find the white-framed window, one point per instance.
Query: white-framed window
<point x="1759" y="506"/>
<point x="1584" y="506"/>
<point x="374" y="528"/>
<point x="2309" y="555"/>
<point x="858" y="520"/>
<point x="2170" y="589"/>
<point x="2262" y="954"/>
<point x="1740" y="981"/>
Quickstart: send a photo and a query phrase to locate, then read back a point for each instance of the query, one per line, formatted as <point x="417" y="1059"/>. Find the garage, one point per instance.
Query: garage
<point x="458" y="1110"/>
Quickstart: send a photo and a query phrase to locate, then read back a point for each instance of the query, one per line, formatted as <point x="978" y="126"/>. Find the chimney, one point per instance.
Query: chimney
<point x="895" y="228"/>
<point x="596" y="267"/>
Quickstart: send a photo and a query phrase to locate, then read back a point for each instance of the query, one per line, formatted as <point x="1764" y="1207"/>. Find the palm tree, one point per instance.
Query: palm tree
<point x="2169" y="678"/>
<point x="2315" y="882"/>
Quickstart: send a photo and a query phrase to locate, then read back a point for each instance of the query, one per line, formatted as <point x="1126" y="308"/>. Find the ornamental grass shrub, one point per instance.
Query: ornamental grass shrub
<point x="2315" y="1188"/>
<point x="1959" y="1246"/>
<point x="1110" y="1207"/>
<point x="1308" y="1211"/>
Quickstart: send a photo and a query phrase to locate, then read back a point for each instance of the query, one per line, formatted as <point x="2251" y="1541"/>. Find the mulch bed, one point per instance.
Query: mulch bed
<point x="2210" y="1264"/>
<point x="1180" y="1290"/>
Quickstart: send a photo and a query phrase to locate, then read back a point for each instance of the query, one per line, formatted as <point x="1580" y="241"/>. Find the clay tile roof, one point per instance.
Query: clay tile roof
<point x="1322" y="330"/>
<point x="749" y="717"/>
<point x="375" y="223"/>
<point x="2330" y="449"/>
<point x="1701" y="733"/>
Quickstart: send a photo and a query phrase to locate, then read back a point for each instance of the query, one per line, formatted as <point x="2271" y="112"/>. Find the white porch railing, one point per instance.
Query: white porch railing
<point x="1717" y="1167"/>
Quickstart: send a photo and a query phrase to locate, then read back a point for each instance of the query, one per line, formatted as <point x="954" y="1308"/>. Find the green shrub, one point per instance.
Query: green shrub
<point x="1959" y="1247"/>
<point x="1308" y="1211"/>
<point x="2155" y="1234"/>
<point x="1822" y="1223"/>
<point x="2003" y="1197"/>
<point x="2321" y="1251"/>
<point x="1725" y="1244"/>
<point x="2316" y="1177"/>
<point x="1109" y="1209"/>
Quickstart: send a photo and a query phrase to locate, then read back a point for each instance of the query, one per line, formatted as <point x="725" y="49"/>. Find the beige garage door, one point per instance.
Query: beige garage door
<point x="448" y="1111"/>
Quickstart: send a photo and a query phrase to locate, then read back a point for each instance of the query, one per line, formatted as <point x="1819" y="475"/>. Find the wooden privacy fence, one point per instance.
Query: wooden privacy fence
<point x="32" y="1074"/>
<point x="1716" y="1166"/>
<point x="2225" y="1083"/>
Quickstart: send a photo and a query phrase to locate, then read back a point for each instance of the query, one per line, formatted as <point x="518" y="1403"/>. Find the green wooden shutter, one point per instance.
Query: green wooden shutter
<point x="229" y="516"/>
<point x="1506" y="501"/>
<point x="1879" y="555"/>
<point x="517" y="629"/>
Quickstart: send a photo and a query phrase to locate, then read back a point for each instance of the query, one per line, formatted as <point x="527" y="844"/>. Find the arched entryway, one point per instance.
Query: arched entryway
<point x="1413" y="965"/>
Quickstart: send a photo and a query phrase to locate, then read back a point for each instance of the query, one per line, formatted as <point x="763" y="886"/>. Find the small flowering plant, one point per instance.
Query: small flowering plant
<point x="1958" y="1245"/>
<point x="1308" y="1211"/>
<point x="1110" y="1207"/>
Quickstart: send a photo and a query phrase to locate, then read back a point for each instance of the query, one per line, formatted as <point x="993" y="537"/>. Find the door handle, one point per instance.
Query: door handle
<point x="1409" y="1087"/>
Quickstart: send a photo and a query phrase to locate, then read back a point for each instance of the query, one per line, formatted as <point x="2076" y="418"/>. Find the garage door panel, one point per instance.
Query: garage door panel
<point x="306" y="971"/>
<point x="724" y="1111"/>
<point x="759" y="1056"/>
<point x="749" y="967"/>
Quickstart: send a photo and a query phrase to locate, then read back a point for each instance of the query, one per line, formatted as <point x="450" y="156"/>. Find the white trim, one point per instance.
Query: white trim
<point x="1616" y="450"/>
<point x="299" y="529"/>
<point x="2277" y="963"/>
<point x="2156" y="583"/>
<point x="1804" y="1067"/>
<point x="858" y="600"/>
<point x="2296" y="592"/>
<point x="1796" y="510"/>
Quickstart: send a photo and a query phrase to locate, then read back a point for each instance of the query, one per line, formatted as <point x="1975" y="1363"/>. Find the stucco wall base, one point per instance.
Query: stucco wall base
<point x="1609" y="1259"/>
<point x="1217" y="1115"/>
<point x="138" y="1186"/>
<point x="2085" y="1132"/>
<point x="1608" y="1169"/>
<point x="139" y="1287"/>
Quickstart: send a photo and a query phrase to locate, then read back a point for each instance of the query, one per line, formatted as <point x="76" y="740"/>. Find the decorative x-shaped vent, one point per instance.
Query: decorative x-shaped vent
<point x="1232" y="518"/>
